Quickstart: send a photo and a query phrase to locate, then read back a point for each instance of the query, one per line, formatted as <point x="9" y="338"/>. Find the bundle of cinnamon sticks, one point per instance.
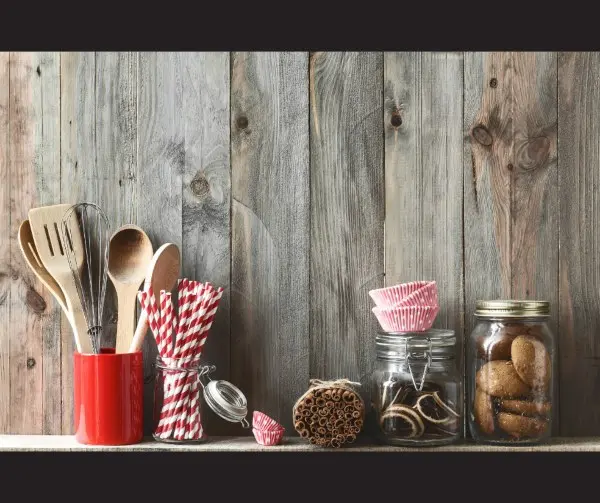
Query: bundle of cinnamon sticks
<point x="330" y="413"/>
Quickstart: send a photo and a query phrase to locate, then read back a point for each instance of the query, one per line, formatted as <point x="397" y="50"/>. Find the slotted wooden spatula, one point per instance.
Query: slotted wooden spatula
<point x="31" y="256"/>
<point x="45" y="225"/>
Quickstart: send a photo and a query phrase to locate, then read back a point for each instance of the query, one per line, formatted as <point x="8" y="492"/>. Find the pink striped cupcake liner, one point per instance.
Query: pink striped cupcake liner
<point x="268" y="437"/>
<point x="393" y="295"/>
<point x="406" y="318"/>
<point x="425" y="296"/>
<point x="261" y="421"/>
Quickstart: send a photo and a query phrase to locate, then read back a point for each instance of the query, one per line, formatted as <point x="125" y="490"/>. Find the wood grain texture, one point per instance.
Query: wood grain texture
<point x="270" y="230"/>
<point x="423" y="178"/>
<point x="347" y="212"/>
<point x="80" y="180"/>
<point x="5" y="245"/>
<point x="423" y="168"/>
<point x="511" y="189"/>
<point x="161" y="167"/>
<point x="206" y="253"/>
<point x="35" y="180"/>
<point x="116" y="153"/>
<point x="579" y="322"/>
<point x="487" y="155"/>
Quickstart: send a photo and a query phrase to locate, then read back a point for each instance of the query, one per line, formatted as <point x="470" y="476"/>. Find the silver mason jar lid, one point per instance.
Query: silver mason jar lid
<point x="439" y="344"/>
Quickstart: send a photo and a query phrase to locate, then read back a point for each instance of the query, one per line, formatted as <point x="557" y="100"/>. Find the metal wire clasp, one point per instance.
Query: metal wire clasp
<point x="416" y="356"/>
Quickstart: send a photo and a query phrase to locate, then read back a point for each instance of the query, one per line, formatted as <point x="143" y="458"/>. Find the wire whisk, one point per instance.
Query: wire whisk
<point x="89" y="265"/>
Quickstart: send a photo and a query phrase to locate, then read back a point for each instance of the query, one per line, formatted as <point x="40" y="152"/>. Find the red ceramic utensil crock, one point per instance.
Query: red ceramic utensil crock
<point x="109" y="392"/>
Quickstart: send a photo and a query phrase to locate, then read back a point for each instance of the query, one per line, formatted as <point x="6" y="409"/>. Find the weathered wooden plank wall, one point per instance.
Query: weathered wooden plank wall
<point x="298" y="182"/>
<point x="270" y="233"/>
<point x="579" y="213"/>
<point x="347" y="194"/>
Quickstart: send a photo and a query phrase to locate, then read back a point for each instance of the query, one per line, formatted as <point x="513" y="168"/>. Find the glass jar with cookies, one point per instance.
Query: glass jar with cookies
<point x="510" y="372"/>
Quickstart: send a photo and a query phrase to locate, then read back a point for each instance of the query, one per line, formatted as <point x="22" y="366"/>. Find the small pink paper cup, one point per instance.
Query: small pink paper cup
<point x="392" y="295"/>
<point x="268" y="437"/>
<point x="425" y="296"/>
<point x="261" y="421"/>
<point x="406" y="318"/>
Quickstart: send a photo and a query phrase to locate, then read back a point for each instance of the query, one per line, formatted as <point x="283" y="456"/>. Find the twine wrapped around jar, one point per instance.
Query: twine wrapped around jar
<point x="329" y="413"/>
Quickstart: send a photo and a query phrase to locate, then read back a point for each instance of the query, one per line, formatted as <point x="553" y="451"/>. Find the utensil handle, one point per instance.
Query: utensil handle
<point x="126" y="301"/>
<point x="140" y="333"/>
<point x="80" y="332"/>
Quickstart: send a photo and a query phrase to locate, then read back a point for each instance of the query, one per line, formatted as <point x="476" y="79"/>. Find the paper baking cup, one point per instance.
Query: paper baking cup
<point x="425" y="296"/>
<point x="261" y="421"/>
<point x="406" y="318"/>
<point x="392" y="295"/>
<point x="268" y="437"/>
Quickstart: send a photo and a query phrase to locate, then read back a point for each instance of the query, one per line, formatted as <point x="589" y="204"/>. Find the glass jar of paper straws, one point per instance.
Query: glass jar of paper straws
<point x="182" y="381"/>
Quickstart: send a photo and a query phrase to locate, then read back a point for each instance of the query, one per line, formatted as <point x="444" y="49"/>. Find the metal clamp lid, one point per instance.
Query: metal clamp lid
<point x="224" y="399"/>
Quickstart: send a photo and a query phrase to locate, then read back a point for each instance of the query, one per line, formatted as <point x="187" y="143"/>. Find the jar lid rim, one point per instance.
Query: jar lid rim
<point x="437" y="332"/>
<point x="512" y="308"/>
<point x="438" y="343"/>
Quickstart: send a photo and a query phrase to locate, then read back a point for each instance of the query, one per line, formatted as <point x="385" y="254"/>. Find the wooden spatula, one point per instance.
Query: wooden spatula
<point x="30" y="254"/>
<point x="45" y="224"/>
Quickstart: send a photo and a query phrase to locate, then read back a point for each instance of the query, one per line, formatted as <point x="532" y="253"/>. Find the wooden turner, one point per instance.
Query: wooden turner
<point x="45" y="224"/>
<point x="29" y="251"/>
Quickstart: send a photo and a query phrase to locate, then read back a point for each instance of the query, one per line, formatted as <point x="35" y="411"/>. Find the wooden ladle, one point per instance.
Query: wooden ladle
<point x="130" y="254"/>
<point x="162" y="274"/>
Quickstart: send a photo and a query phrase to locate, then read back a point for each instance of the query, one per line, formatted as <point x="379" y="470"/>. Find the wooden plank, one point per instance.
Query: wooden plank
<point x="403" y="166"/>
<point x="487" y="154"/>
<point x="510" y="223"/>
<point x="64" y="443"/>
<point x="161" y="165"/>
<point x="5" y="245"/>
<point x="116" y="152"/>
<point x="347" y="212"/>
<point x="579" y="322"/>
<point x="80" y="179"/>
<point x="534" y="190"/>
<point x="423" y="177"/>
<point x="206" y="203"/>
<point x="270" y="230"/>
<point x="35" y="405"/>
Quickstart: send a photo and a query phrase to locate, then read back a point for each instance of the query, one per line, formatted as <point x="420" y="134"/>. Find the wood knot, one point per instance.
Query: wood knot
<point x="30" y="363"/>
<point x="39" y="71"/>
<point x="482" y="135"/>
<point x="242" y="122"/>
<point x="200" y="186"/>
<point x="396" y="120"/>
<point x="493" y="83"/>
<point x="533" y="153"/>
<point x="35" y="301"/>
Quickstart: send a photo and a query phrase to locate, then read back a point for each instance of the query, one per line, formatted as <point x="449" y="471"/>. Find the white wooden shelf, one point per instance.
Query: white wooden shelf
<point x="67" y="443"/>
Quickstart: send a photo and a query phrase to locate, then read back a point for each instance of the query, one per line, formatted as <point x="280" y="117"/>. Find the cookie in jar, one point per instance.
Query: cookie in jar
<point x="510" y="362"/>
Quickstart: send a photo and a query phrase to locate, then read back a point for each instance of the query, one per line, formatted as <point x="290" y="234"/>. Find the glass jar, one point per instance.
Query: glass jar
<point x="417" y="389"/>
<point x="179" y="394"/>
<point x="510" y="360"/>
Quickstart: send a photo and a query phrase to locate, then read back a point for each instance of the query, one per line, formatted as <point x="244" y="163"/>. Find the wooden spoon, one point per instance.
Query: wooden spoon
<point x="162" y="274"/>
<point x="130" y="254"/>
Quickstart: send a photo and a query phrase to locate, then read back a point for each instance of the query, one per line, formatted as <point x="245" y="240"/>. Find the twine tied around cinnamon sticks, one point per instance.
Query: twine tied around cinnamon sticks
<point x="330" y="413"/>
